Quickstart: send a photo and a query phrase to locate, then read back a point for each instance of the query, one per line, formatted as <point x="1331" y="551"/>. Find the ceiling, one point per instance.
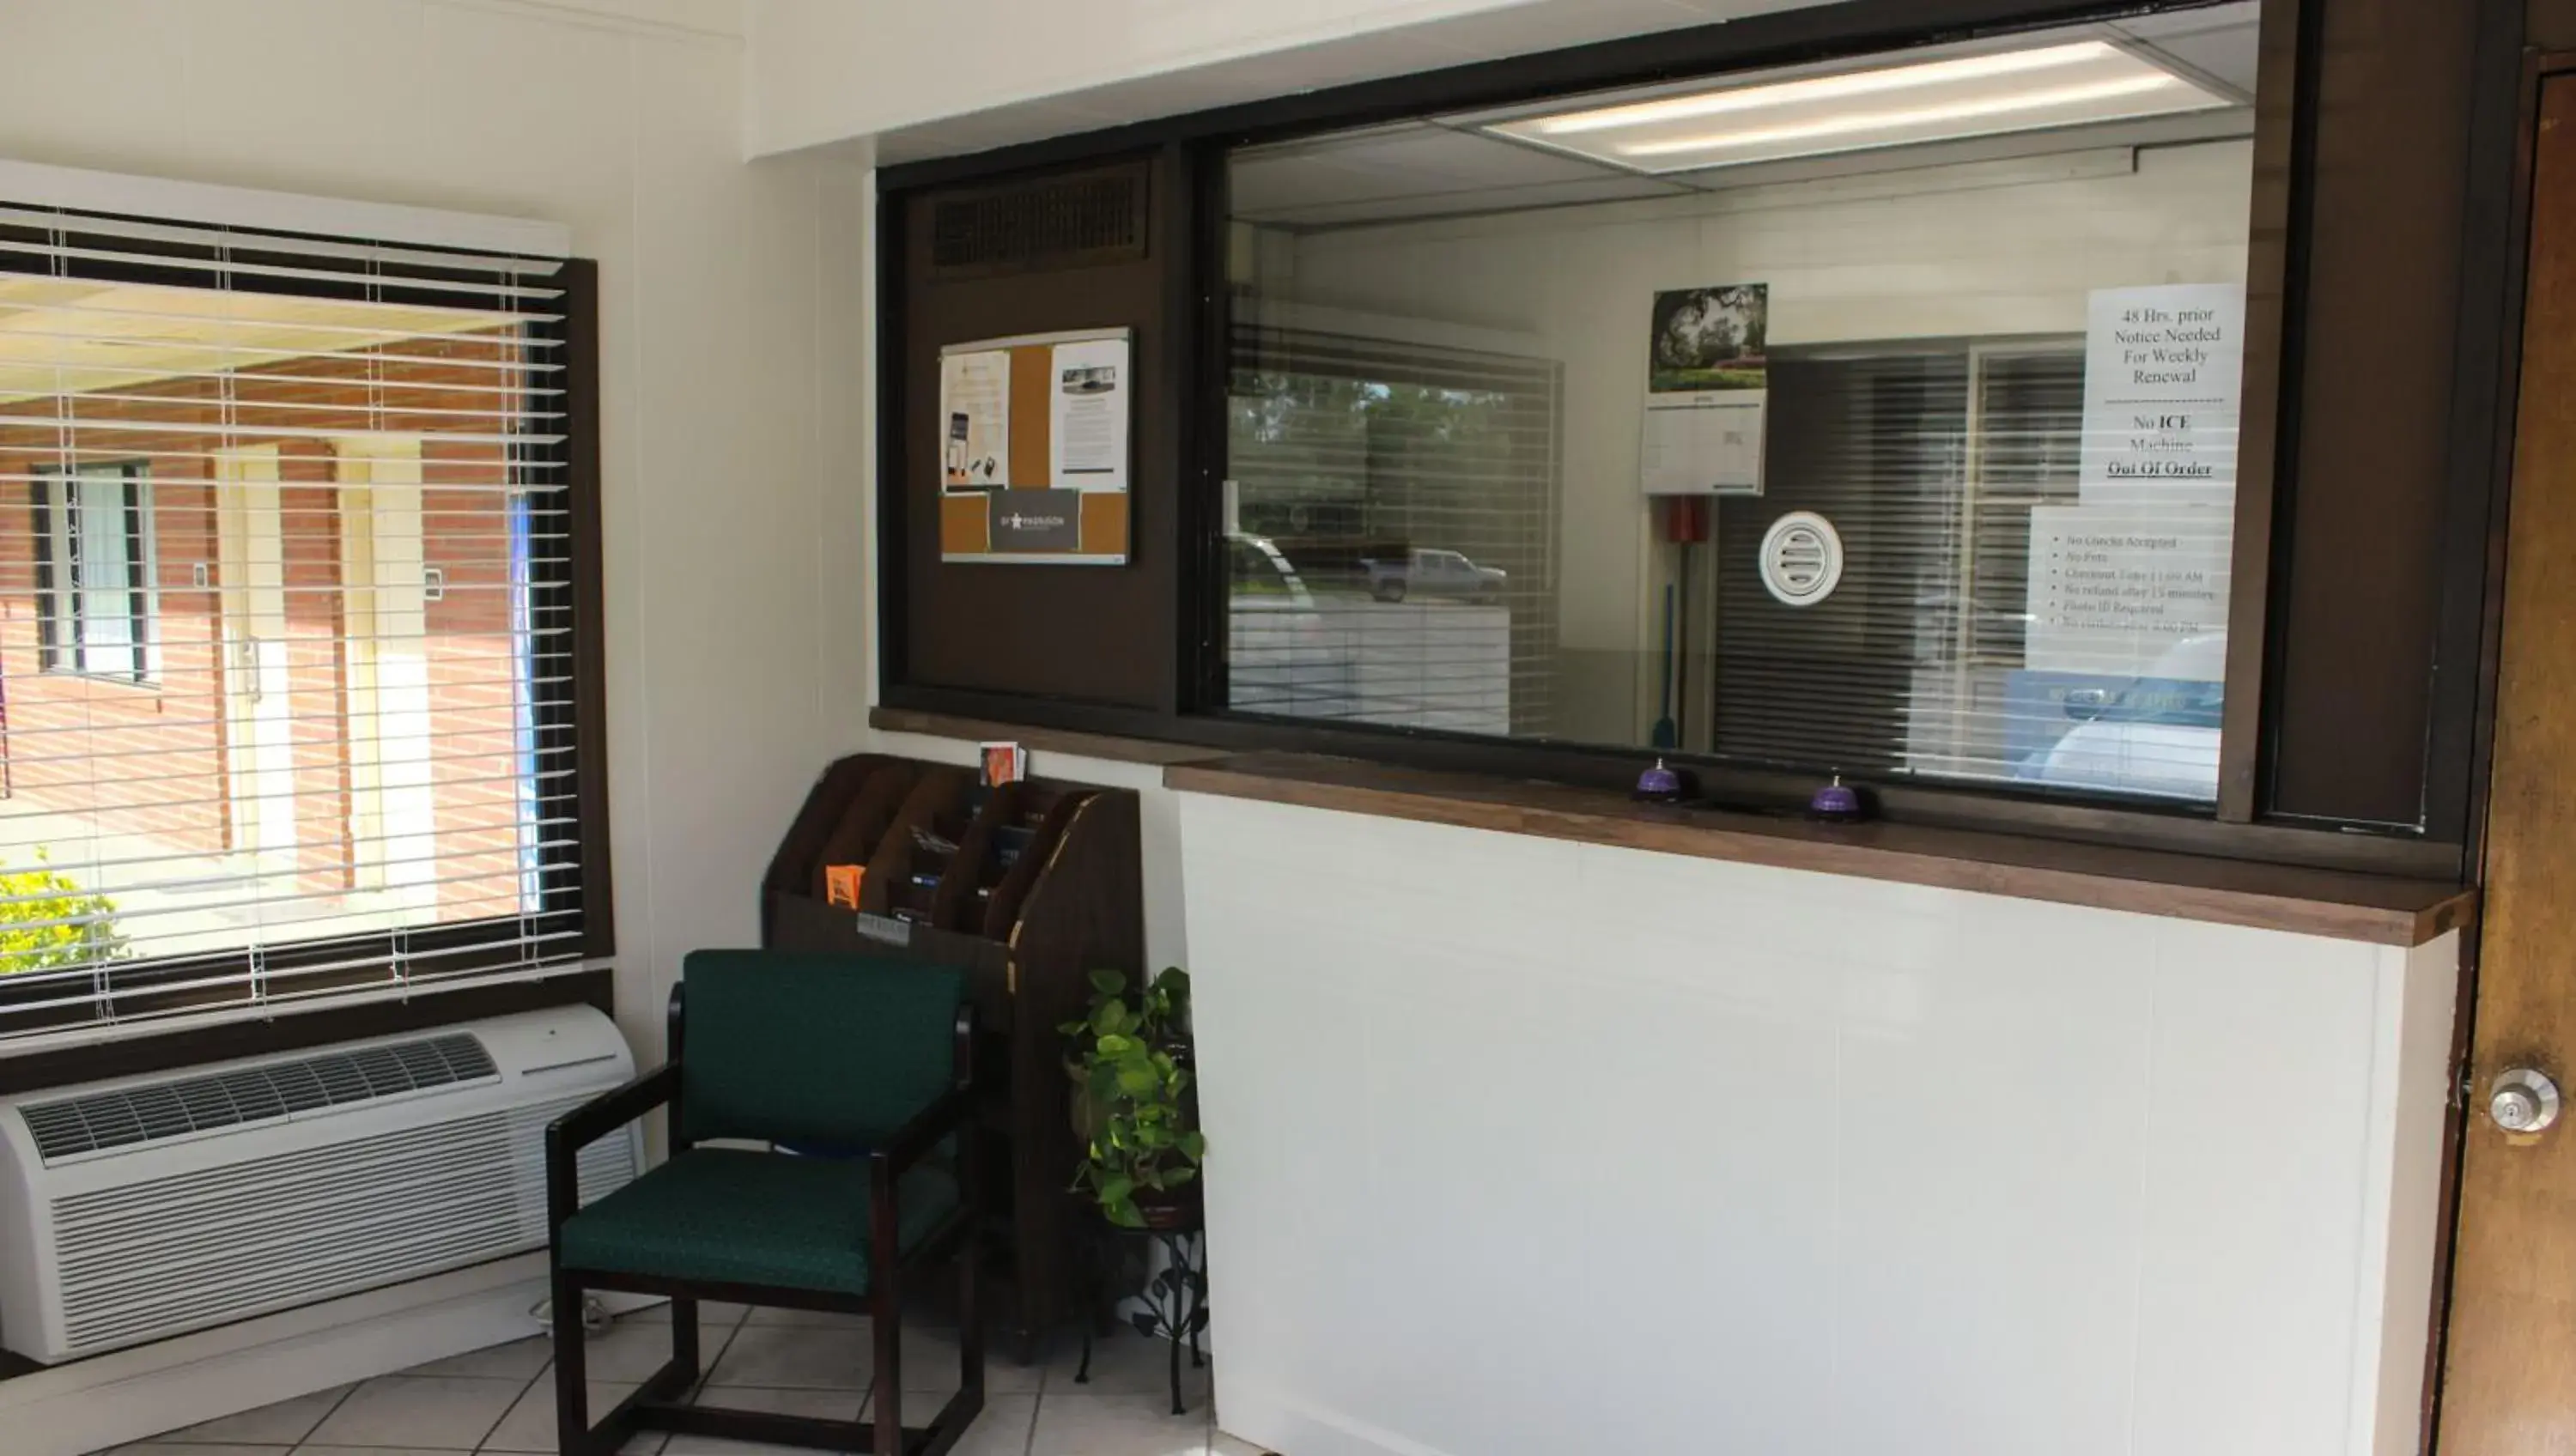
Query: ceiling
<point x="72" y="336"/>
<point x="1444" y="166"/>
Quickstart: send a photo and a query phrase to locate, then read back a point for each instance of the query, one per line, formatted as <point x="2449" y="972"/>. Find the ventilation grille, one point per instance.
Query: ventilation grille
<point x="1065" y="222"/>
<point x="215" y="1244"/>
<point x="137" y="1115"/>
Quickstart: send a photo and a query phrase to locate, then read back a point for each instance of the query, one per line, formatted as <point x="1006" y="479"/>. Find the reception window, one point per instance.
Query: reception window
<point x="1876" y="416"/>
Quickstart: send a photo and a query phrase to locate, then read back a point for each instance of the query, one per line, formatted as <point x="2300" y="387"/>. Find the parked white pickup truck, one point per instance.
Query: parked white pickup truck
<point x="1435" y="572"/>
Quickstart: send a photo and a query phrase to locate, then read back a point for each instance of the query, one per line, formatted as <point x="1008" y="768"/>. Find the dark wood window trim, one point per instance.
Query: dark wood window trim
<point x="2241" y="827"/>
<point x="270" y="1036"/>
<point x="577" y="859"/>
<point x="40" y="507"/>
<point x="1129" y="735"/>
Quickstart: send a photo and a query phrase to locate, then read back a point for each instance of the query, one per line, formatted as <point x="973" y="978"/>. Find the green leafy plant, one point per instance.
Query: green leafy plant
<point x="48" y="923"/>
<point x="1129" y="1061"/>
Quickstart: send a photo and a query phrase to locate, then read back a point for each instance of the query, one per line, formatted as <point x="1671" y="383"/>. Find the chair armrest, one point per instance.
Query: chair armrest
<point x="567" y="1135"/>
<point x="943" y="1116"/>
<point x="610" y="1111"/>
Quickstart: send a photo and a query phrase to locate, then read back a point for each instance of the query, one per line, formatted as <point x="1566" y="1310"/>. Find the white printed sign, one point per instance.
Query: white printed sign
<point x="2127" y="591"/>
<point x="1087" y="430"/>
<point x="2164" y="372"/>
<point x="1704" y="444"/>
<point x="975" y="420"/>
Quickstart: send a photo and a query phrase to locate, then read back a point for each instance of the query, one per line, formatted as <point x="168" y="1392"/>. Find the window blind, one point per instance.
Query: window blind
<point x="1930" y="460"/>
<point x="1394" y="536"/>
<point x="290" y="650"/>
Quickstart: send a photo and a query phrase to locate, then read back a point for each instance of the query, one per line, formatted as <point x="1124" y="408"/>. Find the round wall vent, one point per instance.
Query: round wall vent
<point x="1802" y="559"/>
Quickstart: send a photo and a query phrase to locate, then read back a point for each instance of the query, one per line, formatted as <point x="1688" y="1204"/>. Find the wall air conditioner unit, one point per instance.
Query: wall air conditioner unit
<point x="145" y="1207"/>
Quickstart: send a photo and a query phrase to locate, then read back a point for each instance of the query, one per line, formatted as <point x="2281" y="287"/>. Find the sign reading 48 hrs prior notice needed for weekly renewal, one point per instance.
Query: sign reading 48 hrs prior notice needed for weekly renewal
<point x="2140" y="567"/>
<point x="2164" y="371"/>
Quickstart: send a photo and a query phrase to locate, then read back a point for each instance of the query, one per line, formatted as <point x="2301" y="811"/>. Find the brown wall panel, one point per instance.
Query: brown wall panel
<point x="2551" y="24"/>
<point x="2361" y="578"/>
<point x="1099" y="634"/>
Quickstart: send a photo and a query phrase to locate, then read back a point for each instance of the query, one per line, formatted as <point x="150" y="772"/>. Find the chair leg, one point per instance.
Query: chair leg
<point x="970" y="1323"/>
<point x="885" y="1319"/>
<point x="684" y="1340"/>
<point x="572" y="1376"/>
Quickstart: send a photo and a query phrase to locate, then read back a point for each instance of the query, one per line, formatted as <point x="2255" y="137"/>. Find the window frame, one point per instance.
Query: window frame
<point x="570" y="686"/>
<point x="1198" y="144"/>
<point x="62" y="602"/>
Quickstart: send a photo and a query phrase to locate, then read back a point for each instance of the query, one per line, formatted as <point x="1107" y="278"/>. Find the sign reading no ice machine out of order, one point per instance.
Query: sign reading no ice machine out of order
<point x="2164" y="371"/>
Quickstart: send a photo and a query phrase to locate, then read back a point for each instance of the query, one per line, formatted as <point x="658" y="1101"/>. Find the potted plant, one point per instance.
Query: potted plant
<point x="1133" y="1106"/>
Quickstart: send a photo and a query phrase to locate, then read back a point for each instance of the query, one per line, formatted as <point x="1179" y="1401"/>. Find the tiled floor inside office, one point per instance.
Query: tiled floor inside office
<point x="501" y="1400"/>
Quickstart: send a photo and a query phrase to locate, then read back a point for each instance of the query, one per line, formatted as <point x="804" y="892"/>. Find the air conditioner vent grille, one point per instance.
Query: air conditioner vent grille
<point x="136" y="1115"/>
<point x="1057" y="222"/>
<point x="196" y="1245"/>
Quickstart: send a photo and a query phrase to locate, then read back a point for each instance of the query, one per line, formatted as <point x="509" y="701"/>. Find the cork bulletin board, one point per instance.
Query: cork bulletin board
<point x="1034" y="448"/>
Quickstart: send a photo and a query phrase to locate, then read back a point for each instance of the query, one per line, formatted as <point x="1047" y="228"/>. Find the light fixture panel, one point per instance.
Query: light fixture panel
<point x="1737" y="123"/>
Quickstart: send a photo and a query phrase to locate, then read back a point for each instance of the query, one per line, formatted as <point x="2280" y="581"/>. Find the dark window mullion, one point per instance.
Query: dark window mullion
<point x="75" y="549"/>
<point x="138" y="595"/>
<point x="49" y="607"/>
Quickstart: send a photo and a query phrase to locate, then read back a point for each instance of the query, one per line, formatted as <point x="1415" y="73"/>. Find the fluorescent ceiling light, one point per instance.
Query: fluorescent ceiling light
<point x="2069" y="84"/>
<point x="1825" y="88"/>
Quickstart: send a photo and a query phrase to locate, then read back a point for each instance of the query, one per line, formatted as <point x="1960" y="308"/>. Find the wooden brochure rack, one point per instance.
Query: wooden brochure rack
<point x="1029" y="887"/>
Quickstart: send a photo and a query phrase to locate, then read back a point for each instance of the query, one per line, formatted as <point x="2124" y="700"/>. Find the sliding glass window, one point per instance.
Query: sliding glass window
<point x="1877" y="416"/>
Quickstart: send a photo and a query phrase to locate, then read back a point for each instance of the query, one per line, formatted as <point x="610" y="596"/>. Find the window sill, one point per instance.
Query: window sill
<point x="2342" y="905"/>
<point x="109" y="679"/>
<point x="95" y="1054"/>
<point x="1111" y="747"/>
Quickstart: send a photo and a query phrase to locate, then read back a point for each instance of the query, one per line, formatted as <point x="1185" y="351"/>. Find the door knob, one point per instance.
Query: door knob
<point x="2523" y="1101"/>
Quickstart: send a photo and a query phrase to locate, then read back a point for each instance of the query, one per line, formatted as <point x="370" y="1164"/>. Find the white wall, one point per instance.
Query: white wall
<point x="911" y="79"/>
<point x="829" y="69"/>
<point x="732" y="338"/>
<point x="1526" y="1146"/>
<point x="732" y="344"/>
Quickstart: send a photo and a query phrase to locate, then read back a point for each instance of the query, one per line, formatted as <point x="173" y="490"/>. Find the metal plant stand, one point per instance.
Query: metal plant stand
<point x="1175" y="1298"/>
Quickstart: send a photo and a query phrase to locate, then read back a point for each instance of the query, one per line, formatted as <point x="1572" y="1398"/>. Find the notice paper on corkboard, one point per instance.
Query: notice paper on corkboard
<point x="1034" y="448"/>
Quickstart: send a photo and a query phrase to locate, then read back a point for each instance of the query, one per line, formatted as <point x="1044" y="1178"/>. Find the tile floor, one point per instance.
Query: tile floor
<point x="501" y="1400"/>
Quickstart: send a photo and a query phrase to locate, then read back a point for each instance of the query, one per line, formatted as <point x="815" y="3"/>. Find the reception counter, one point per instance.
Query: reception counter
<point x="1544" y="1125"/>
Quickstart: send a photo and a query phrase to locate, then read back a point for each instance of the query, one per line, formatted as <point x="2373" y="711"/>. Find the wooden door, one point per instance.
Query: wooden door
<point x="385" y="720"/>
<point x="2509" y="1380"/>
<point x="259" y="721"/>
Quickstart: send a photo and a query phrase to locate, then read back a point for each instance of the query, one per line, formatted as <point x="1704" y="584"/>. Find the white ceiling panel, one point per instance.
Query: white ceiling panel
<point x="1415" y="170"/>
<point x="1345" y="213"/>
<point x="1392" y="161"/>
<point x="2220" y="41"/>
<point x="2226" y="55"/>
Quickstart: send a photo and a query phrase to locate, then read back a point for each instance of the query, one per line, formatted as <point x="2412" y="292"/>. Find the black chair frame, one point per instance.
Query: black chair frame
<point x="661" y="1403"/>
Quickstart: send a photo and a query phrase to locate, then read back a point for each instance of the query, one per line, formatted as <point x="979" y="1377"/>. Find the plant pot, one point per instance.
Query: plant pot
<point x="1181" y="1208"/>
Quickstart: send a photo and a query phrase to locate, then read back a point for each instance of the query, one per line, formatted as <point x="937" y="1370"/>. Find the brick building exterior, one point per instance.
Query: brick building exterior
<point x="339" y="554"/>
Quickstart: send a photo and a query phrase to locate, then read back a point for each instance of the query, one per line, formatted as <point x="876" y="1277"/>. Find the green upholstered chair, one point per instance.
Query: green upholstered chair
<point x="864" y="1065"/>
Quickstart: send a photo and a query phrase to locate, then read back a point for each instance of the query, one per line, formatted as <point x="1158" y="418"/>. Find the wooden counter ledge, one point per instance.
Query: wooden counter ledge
<point x="2337" y="904"/>
<point x="1038" y="740"/>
